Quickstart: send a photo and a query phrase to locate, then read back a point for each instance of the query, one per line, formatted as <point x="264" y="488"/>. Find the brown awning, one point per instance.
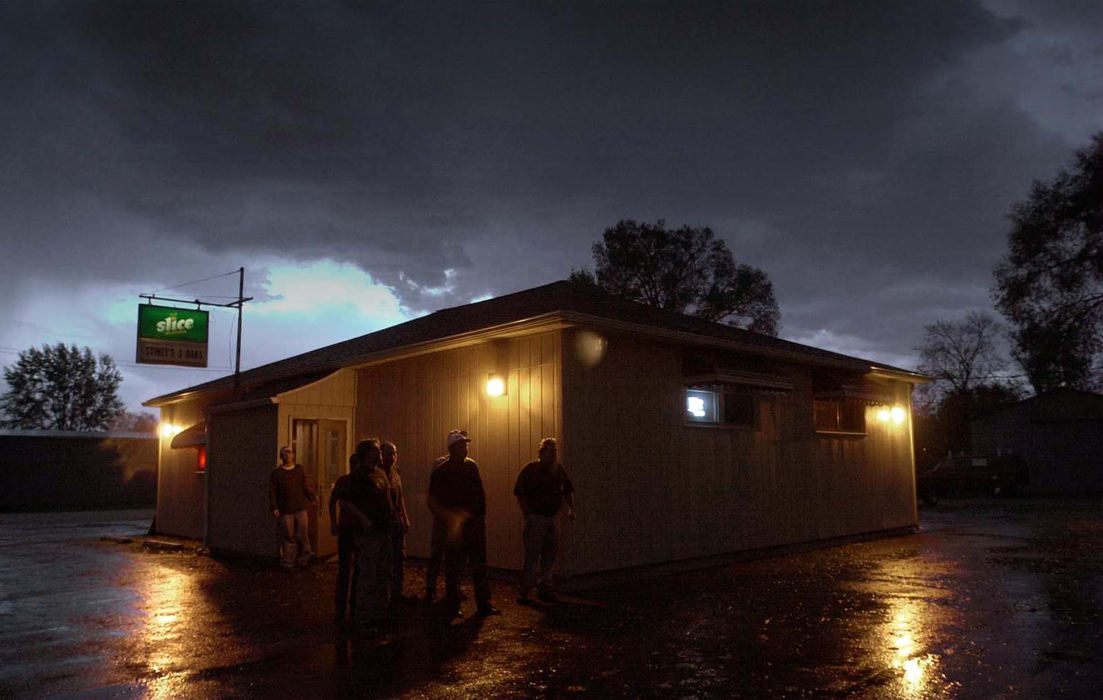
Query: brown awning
<point x="192" y="436"/>
<point x="864" y="393"/>
<point x="750" y="380"/>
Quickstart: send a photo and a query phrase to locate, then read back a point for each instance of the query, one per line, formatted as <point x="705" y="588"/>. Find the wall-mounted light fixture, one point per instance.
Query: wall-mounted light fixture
<point x="497" y="380"/>
<point x="495" y="385"/>
<point x="169" y="431"/>
<point x="896" y="414"/>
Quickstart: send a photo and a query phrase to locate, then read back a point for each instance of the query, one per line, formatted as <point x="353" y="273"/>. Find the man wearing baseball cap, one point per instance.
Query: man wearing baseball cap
<point x="288" y="496"/>
<point x="456" y="496"/>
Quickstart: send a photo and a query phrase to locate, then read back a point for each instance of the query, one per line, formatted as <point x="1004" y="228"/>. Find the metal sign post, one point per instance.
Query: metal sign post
<point x="172" y="336"/>
<point x="184" y="328"/>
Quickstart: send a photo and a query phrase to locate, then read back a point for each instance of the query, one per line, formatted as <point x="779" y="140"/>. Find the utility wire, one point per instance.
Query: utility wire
<point x="205" y="279"/>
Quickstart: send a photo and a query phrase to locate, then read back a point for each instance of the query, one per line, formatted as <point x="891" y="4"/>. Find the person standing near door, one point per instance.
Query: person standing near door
<point x="288" y="496"/>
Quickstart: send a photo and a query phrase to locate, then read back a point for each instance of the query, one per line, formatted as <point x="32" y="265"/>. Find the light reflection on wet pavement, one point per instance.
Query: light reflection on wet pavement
<point x="992" y="598"/>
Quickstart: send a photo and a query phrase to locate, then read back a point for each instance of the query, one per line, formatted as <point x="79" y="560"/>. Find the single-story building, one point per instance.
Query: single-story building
<point x="1058" y="433"/>
<point x="686" y="440"/>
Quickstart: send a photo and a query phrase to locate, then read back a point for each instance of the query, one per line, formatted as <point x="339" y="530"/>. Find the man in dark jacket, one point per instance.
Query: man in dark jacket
<point x="436" y="547"/>
<point x="456" y="496"/>
<point x="389" y="465"/>
<point x="541" y="490"/>
<point x="288" y="496"/>
<point x="368" y="502"/>
<point x="344" y="526"/>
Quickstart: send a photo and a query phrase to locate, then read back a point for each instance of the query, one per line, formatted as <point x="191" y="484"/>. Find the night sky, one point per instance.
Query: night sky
<point x="370" y="164"/>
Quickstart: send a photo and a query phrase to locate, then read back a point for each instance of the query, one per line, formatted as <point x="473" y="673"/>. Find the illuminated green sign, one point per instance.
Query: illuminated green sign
<point x="171" y="336"/>
<point x="167" y="323"/>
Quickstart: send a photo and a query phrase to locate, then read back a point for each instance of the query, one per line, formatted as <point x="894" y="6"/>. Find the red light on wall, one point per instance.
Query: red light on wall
<point x="201" y="452"/>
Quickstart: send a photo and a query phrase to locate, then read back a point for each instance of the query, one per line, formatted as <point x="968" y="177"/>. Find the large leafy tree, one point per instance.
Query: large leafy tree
<point x="687" y="270"/>
<point x="1050" y="284"/>
<point x="59" y="387"/>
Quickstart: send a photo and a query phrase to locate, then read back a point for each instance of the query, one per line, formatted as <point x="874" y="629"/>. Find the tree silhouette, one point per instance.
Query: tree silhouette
<point x="1050" y="284"/>
<point x="687" y="270"/>
<point x="969" y="380"/>
<point x="60" y="387"/>
<point x="961" y="355"/>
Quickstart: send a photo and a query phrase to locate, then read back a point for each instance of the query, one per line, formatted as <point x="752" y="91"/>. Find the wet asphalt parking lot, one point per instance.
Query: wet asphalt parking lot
<point x="991" y="598"/>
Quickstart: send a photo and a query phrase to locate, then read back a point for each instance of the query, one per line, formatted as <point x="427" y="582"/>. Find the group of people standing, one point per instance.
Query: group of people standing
<point x="371" y="528"/>
<point x="367" y="513"/>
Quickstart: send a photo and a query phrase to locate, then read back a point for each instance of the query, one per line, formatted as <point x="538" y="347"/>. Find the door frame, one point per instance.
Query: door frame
<point x="326" y="541"/>
<point x="322" y="542"/>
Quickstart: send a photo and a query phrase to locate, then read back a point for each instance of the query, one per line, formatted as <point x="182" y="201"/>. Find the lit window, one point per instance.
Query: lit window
<point x="717" y="406"/>
<point x="701" y="406"/>
<point x="696" y="407"/>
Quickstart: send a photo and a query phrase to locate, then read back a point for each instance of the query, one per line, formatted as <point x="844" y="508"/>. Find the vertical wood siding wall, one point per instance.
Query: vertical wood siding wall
<point x="863" y="484"/>
<point x="652" y="490"/>
<point x="179" y="487"/>
<point x="415" y="402"/>
<point x="241" y="453"/>
<point x="242" y="450"/>
<point x="332" y="397"/>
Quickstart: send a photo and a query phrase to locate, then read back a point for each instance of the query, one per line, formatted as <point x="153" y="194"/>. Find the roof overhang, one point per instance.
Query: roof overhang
<point x="529" y="326"/>
<point x="186" y="395"/>
<point x="240" y="405"/>
<point x="793" y="355"/>
<point x="557" y="320"/>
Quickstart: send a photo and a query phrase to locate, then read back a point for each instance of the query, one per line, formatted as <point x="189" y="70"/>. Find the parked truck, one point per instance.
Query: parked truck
<point x="999" y="475"/>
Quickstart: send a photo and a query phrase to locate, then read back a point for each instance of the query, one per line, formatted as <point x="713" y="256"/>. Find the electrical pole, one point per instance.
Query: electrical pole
<point x="240" y="303"/>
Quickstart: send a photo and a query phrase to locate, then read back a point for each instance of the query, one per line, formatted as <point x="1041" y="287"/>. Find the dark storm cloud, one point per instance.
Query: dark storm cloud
<point x="845" y="148"/>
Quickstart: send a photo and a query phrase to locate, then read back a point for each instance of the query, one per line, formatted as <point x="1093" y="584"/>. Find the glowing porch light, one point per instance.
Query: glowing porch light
<point x="896" y="414"/>
<point x="495" y="385"/>
<point x="169" y="431"/>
